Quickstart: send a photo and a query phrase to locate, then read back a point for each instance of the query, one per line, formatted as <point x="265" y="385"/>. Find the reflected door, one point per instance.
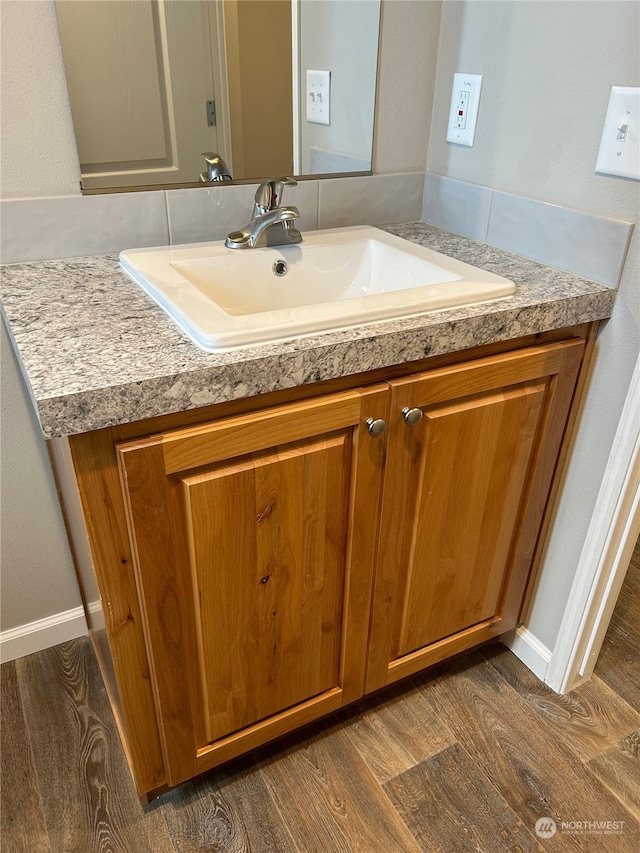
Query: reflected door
<point x="139" y="76"/>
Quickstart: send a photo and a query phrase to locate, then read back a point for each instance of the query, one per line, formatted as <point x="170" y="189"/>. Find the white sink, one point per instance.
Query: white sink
<point x="335" y="279"/>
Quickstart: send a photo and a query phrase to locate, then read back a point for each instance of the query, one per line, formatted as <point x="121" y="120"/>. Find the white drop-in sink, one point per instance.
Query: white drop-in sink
<point x="334" y="279"/>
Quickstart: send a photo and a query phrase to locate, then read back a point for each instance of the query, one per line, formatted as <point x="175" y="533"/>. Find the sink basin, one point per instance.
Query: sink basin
<point x="334" y="279"/>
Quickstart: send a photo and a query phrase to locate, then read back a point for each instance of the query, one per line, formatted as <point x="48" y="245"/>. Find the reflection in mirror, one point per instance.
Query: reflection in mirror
<point x="155" y="84"/>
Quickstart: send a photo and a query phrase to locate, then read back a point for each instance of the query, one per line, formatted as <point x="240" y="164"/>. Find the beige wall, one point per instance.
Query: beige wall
<point x="264" y="28"/>
<point x="258" y="47"/>
<point x="409" y="31"/>
<point x="38" y="578"/>
<point x="547" y="71"/>
<point x="38" y="156"/>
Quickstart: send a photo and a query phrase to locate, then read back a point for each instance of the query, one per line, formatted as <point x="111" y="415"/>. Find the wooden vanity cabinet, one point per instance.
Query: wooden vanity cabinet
<point x="264" y="568"/>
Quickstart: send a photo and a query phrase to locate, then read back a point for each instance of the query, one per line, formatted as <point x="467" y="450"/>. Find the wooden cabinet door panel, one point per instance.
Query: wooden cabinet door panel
<point x="267" y="553"/>
<point x="472" y="459"/>
<point x="253" y="540"/>
<point x="463" y="496"/>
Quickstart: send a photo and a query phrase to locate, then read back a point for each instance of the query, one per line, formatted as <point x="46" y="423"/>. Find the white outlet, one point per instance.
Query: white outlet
<point x="620" y="144"/>
<point x="319" y="97"/>
<point x="463" y="113"/>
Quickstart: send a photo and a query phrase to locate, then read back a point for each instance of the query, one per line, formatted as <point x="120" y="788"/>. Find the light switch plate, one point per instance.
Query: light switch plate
<point x="319" y="97"/>
<point x="620" y="144"/>
<point x="463" y="113"/>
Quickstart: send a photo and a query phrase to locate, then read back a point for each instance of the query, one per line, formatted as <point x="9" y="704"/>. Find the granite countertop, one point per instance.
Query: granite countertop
<point x="97" y="351"/>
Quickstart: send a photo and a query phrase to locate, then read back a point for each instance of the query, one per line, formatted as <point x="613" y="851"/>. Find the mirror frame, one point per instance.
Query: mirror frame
<point x="236" y="182"/>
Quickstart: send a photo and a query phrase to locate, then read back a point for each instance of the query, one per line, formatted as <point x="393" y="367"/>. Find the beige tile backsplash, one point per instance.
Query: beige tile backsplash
<point x="582" y="243"/>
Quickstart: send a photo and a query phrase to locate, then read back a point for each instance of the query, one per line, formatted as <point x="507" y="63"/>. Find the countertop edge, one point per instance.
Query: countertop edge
<point x="139" y="400"/>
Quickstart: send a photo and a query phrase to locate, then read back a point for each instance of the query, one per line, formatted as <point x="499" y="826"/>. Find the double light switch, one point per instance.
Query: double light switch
<point x="319" y="97"/>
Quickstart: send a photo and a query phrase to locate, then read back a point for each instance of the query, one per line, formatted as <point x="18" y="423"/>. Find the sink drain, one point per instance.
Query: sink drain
<point x="280" y="268"/>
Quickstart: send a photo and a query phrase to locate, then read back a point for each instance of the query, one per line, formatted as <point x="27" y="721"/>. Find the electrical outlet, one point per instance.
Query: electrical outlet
<point x="319" y="97"/>
<point x="463" y="113"/>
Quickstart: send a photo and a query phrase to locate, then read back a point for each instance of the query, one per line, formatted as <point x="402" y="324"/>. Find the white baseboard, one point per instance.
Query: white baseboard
<point x="42" y="634"/>
<point x="528" y="648"/>
<point x="96" y="616"/>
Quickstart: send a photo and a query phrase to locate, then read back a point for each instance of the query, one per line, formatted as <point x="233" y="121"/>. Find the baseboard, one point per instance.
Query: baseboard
<point x="528" y="648"/>
<point x="95" y="614"/>
<point x="42" y="634"/>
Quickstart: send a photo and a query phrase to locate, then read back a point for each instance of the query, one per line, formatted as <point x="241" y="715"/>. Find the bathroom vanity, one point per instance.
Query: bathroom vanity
<point x="280" y="530"/>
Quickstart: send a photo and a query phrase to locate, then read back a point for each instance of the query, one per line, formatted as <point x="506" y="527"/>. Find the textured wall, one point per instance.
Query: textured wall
<point x="38" y="158"/>
<point x="38" y="579"/>
<point x="548" y="69"/>
<point x="38" y="155"/>
<point x="406" y="79"/>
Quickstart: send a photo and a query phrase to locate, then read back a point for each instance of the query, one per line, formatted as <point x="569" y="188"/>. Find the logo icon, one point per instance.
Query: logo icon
<point x="545" y="827"/>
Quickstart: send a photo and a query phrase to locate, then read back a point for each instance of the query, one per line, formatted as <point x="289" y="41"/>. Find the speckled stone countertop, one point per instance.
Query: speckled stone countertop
<point x="97" y="351"/>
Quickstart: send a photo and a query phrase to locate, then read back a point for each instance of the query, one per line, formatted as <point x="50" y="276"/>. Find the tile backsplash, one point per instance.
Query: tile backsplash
<point x="47" y="228"/>
<point x="199" y="215"/>
<point x="588" y="245"/>
<point x="582" y="243"/>
<point x="457" y="206"/>
<point x="379" y="200"/>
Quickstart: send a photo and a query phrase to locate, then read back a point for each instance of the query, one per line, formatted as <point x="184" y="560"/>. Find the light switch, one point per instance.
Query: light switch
<point x="620" y="144"/>
<point x="319" y="97"/>
<point x="463" y="113"/>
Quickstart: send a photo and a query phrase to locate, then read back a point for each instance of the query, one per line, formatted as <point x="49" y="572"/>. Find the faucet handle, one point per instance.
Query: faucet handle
<point x="269" y="193"/>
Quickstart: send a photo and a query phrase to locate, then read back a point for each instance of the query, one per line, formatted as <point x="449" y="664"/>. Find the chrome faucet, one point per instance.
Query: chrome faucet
<point x="217" y="169"/>
<point x="271" y="224"/>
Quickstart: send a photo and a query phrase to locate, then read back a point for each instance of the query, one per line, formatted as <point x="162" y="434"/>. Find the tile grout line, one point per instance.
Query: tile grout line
<point x="486" y="233"/>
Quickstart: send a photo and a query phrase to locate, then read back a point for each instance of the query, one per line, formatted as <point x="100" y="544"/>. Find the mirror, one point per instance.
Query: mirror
<point x="275" y="87"/>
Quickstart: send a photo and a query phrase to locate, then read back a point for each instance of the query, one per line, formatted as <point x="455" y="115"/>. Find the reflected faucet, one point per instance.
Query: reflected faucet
<point x="271" y="224"/>
<point x="217" y="169"/>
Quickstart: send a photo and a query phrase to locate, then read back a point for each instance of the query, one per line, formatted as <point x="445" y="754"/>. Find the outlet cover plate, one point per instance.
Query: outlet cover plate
<point x="620" y="144"/>
<point x="463" y="112"/>
<point x="319" y="97"/>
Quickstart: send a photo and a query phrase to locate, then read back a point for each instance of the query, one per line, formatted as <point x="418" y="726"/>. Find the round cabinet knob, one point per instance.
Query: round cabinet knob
<point x="412" y="416"/>
<point x="376" y="427"/>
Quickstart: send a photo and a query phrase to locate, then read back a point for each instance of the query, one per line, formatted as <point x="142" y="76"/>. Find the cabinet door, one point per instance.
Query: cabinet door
<point x="463" y="497"/>
<point x="254" y="579"/>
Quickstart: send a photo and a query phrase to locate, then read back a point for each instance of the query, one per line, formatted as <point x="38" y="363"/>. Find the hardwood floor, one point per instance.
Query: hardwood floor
<point x="467" y="757"/>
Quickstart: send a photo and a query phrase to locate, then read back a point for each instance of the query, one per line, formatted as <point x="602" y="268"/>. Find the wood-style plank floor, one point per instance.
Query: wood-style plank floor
<point x="467" y="757"/>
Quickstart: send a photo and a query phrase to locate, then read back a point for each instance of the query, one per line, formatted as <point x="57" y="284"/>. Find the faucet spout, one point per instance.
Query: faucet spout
<point x="263" y="229"/>
<point x="270" y="224"/>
